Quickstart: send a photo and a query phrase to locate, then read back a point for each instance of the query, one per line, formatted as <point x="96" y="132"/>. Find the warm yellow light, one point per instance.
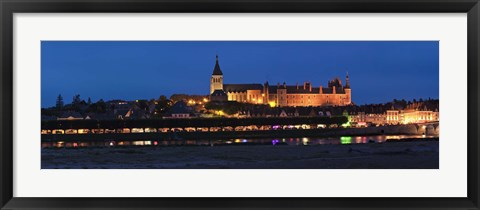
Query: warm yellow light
<point x="272" y="104"/>
<point x="263" y="94"/>
<point x="205" y="100"/>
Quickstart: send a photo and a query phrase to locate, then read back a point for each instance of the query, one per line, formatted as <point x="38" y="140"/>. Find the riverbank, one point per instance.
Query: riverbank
<point x="51" y="140"/>
<point x="389" y="155"/>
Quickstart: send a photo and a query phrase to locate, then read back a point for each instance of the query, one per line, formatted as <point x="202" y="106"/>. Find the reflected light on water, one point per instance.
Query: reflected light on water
<point x="346" y="140"/>
<point x="261" y="141"/>
<point x="360" y="139"/>
<point x="305" y="141"/>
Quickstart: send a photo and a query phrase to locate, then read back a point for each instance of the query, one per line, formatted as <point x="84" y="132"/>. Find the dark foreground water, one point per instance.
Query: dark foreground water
<point x="367" y="152"/>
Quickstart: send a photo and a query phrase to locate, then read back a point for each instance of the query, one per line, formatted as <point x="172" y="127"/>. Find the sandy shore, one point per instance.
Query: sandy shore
<point x="393" y="155"/>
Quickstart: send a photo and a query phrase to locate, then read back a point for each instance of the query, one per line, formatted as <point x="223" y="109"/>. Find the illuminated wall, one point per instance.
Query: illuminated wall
<point x="283" y="98"/>
<point x="411" y="116"/>
<point x="305" y="95"/>
<point x="237" y="96"/>
<point x="216" y="83"/>
<point x="254" y="97"/>
<point x="317" y="99"/>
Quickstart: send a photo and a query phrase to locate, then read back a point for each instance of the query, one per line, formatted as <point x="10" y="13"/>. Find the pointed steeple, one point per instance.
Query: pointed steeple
<point x="216" y="70"/>
<point x="347" y="81"/>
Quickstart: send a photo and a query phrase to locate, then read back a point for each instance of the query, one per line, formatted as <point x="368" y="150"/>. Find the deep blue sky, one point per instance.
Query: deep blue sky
<point x="379" y="71"/>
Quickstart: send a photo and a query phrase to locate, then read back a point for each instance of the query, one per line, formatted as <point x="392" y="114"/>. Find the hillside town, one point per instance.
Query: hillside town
<point x="197" y="106"/>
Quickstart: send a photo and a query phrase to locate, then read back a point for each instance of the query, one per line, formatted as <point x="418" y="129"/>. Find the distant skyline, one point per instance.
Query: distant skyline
<point x="379" y="71"/>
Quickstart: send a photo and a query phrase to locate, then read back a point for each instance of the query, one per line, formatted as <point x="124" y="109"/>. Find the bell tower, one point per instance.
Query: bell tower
<point x="216" y="81"/>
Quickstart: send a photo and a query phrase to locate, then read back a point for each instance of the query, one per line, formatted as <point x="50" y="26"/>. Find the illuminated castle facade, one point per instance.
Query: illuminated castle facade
<point x="413" y="113"/>
<point x="280" y="95"/>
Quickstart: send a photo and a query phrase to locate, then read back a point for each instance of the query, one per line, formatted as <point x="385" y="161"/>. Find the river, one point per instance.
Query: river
<point x="241" y="141"/>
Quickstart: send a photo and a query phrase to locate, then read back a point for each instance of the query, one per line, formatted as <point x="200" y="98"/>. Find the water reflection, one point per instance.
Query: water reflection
<point x="267" y="141"/>
<point x="346" y="140"/>
<point x="305" y="141"/>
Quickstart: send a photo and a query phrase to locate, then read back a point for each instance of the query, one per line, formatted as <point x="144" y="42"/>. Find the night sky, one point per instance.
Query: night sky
<point x="379" y="71"/>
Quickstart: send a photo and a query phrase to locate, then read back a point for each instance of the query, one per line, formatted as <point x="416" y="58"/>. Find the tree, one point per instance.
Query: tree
<point x="89" y="101"/>
<point x="76" y="99"/>
<point x="76" y="103"/>
<point x="231" y="107"/>
<point x="101" y="106"/>
<point x="162" y="98"/>
<point x="59" y="103"/>
<point x="163" y="106"/>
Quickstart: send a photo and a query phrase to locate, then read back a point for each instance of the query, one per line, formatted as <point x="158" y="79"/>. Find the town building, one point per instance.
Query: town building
<point x="70" y="116"/>
<point x="363" y="119"/>
<point x="180" y="110"/>
<point x="280" y="95"/>
<point x="413" y="113"/>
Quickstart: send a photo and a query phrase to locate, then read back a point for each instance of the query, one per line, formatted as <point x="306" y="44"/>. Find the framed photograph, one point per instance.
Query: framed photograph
<point x="239" y="105"/>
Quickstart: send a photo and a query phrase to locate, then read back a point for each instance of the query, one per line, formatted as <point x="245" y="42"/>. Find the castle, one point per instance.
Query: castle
<point x="280" y="95"/>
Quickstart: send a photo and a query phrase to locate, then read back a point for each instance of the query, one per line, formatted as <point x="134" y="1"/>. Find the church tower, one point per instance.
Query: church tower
<point x="216" y="81"/>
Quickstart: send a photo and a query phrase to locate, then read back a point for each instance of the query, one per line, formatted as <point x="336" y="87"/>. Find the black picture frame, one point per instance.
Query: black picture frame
<point x="9" y="7"/>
